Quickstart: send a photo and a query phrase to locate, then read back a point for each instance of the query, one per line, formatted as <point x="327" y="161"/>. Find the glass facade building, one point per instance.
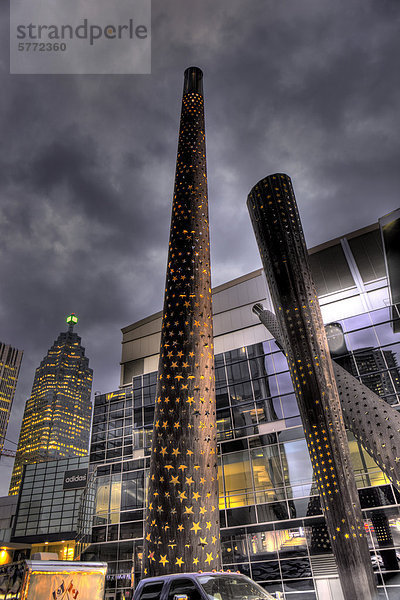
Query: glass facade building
<point x="49" y="508"/>
<point x="271" y="519"/>
<point x="10" y="364"/>
<point x="57" y="416"/>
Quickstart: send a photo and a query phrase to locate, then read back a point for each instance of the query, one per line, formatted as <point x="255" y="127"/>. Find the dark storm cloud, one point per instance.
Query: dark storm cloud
<point x="307" y="87"/>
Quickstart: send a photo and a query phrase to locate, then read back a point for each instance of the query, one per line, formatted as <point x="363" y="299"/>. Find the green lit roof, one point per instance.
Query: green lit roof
<point x="72" y="318"/>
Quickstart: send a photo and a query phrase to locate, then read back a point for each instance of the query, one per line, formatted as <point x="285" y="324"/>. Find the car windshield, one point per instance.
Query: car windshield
<point x="232" y="587"/>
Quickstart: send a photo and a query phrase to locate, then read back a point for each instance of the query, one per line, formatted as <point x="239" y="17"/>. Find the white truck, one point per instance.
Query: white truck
<point x="52" y="580"/>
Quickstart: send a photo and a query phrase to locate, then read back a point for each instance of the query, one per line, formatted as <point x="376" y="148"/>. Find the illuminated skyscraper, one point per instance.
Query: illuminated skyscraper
<point x="10" y="363"/>
<point x="56" y="422"/>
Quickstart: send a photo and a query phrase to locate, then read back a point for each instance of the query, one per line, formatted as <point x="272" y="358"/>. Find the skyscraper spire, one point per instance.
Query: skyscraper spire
<point x="72" y="320"/>
<point x="182" y="527"/>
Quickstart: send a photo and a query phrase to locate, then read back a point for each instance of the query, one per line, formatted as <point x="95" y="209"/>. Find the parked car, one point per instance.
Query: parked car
<point x="200" y="586"/>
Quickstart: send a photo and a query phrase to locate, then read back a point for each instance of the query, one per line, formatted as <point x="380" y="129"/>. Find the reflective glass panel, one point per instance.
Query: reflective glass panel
<point x="241" y="392"/>
<point x="297" y="467"/>
<point x="267" y="473"/>
<point x="363" y="338"/>
<point x="264" y="545"/>
<point x="237" y="478"/>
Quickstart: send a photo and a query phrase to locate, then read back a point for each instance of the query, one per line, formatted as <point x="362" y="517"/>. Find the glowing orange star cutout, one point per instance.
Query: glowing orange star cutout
<point x="179" y="561"/>
<point x="209" y="558"/>
<point x="196" y="527"/>
<point x="164" y="560"/>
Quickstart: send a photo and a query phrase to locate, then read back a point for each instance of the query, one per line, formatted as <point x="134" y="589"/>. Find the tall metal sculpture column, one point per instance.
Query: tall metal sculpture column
<point x="182" y="526"/>
<point x="280" y="239"/>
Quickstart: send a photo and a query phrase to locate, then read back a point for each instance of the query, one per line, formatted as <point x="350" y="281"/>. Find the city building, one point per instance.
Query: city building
<point x="49" y="502"/>
<point x="271" y="518"/>
<point x="57" y="416"/>
<point x="8" y="510"/>
<point x="10" y="363"/>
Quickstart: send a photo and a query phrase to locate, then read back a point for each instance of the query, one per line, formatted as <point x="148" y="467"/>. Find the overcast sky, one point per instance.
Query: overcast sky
<point x="306" y="87"/>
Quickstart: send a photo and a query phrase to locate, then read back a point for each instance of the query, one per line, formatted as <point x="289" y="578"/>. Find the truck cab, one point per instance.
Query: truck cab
<point x="200" y="586"/>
